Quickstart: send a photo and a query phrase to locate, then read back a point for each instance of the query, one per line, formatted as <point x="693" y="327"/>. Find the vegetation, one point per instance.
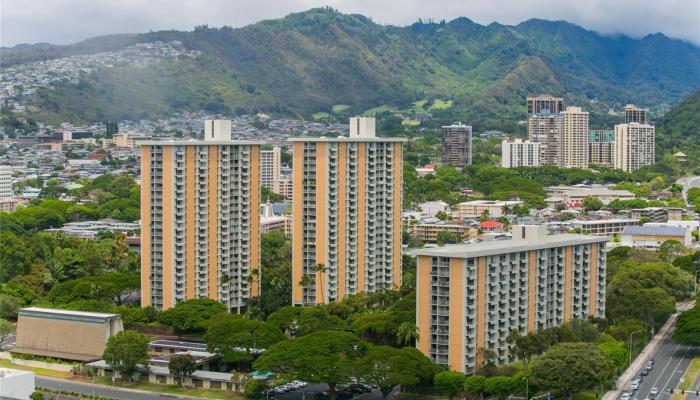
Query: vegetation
<point x="182" y="366"/>
<point x="125" y="350"/>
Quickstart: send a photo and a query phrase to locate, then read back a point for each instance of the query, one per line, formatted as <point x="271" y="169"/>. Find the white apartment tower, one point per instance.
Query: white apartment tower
<point x="200" y="236"/>
<point x="634" y="146"/>
<point x="519" y="153"/>
<point x="6" y="183"/>
<point x="574" y="143"/>
<point x="346" y="215"/>
<point x="270" y="166"/>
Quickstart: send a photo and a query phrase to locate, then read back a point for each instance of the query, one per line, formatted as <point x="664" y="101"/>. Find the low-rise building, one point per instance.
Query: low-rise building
<point x="574" y="198"/>
<point x="428" y="233"/>
<point x="651" y="237"/>
<point x="489" y="208"/>
<point x="91" y="229"/>
<point x="657" y="214"/>
<point x="603" y="227"/>
<point x="428" y="169"/>
<point x="8" y="204"/>
<point x="470" y="297"/>
<point x="430" y="209"/>
<point x="283" y="186"/>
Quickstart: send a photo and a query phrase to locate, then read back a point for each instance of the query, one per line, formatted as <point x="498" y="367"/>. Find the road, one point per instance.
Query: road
<point x="102" y="391"/>
<point x="8" y="342"/>
<point x="689" y="183"/>
<point x="670" y="362"/>
<point x="308" y="393"/>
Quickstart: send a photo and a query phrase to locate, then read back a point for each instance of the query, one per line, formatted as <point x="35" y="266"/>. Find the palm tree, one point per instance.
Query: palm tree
<point x="320" y="270"/>
<point x="406" y="333"/>
<point x="305" y="282"/>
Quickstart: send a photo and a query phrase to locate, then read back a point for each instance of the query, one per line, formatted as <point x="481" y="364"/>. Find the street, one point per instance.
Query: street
<point x="8" y="342"/>
<point x="103" y="391"/>
<point x="689" y="183"/>
<point x="308" y="393"/>
<point x="670" y="363"/>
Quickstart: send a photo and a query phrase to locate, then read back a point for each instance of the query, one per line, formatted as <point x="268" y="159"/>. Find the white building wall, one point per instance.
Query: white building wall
<point x="16" y="384"/>
<point x="519" y="153"/>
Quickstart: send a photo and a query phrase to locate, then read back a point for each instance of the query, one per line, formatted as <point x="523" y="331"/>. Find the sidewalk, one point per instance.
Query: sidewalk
<point x="625" y="379"/>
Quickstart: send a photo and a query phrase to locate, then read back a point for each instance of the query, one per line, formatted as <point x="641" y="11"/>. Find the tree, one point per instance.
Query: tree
<point x="182" y="366"/>
<point x="300" y="321"/>
<point x="500" y="386"/>
<point x="449" y="383"/>
<point x="526" y="346"/>
<point x="320" y="272"/>
<point x="615" y="351"/>
<point x="570" y="368"/>
<point x="442" y="215"/>
<point x="387" y="367"/>
<point x="6" y="329"/>
<point x="9" y="306"/>
<point x="234" y="336"/>
<point x="125" y="350"/>
<point x="192" y="315"/>
<point x="592" y="203"/>
<point x="670" y="250"/>
<point x="688" y="327"/>
<point x="320" y="357"/>
<point x="446" y="237"/>
<point x="407" y="333"/>
<point x="37" y="395"/>
<point x="475" y="386"/>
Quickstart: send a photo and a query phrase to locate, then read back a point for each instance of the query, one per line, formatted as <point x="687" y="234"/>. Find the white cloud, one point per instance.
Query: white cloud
<point x="67" y="21"/>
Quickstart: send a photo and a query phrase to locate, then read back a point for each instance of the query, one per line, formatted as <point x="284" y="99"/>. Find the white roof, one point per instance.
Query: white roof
<point x="68" y="312"/>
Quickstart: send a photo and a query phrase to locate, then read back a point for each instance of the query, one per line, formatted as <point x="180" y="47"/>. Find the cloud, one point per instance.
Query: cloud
<point x="68" y="21"/>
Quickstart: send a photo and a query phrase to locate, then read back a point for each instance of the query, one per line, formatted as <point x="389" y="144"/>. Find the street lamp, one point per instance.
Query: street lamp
<point x="632" y="334"/>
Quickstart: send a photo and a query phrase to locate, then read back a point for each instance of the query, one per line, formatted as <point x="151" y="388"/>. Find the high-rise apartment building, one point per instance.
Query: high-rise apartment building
<point x="634" y="146"/>
<point x="346" y="215"/>
<point x="547" y="130"/>
<point x="574" y="142"/>
<point x="470" y="297"/>
<point x="600" y="147"/>
<point x="519" y="153"/>
<point x="6" y="182"/>
<point x="200" y="206"/>
<point x="545" y="103"/>
<point x="457" y="145"/>
<point x="635" y="114"/>
<point x="270" y="165"/>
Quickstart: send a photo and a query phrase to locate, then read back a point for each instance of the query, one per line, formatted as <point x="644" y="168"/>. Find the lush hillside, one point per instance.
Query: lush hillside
<point x="679" y="129"/>
<point x="309" y="62"/>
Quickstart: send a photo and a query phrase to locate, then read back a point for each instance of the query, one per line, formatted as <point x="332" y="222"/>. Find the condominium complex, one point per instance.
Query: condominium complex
<point x="635" y="114"/>
<point x="600" y="147"/>
<point x="270" y="165"/>
<point x="346" y="214"/>
<point x="6" y="182"/>
<point x="603" y="227"/>
<point x="519" y="153"/>
<point x="634" y="146"/>
<point x="457" y="145"/>
<point x="470" y="297"/>
<point x="574" y="142"/>
<point x="546" y="129"/>
<point x="200" y="205"/>
<point x="283" y="186"/>
<point x="545" y="102"/>
<point x="488" y="208"/>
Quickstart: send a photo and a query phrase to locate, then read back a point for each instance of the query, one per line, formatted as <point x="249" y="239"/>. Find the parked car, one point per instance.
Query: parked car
<point x="634" y="386"/>
<point x="654" y="392"/>
<point x="625" y="396"/>
<point x="644" y="372"/>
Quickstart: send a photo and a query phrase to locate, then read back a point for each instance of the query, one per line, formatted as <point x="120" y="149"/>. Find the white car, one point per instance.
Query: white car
<point x="654" y="391"/>
<point x="634" y="385"/>
<point x="625" y="396"/>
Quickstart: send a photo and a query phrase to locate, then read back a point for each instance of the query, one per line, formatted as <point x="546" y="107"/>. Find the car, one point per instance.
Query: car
<point x="638" y="379"/>
<point x="362" y="388"/>
<point x="634" y="385"/>
<point x="644" y="372"/>
<point x="649" y="367"/>
<point x="654" y="391"/>
<point x="625" y="396"/>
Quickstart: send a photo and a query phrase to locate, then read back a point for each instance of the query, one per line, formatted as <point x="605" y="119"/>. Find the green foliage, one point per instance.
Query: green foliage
<point x="112" y="287"/>
<point x="254" y="389"/>
<point x="9" y="306"/>
<point x="36" y="395"/>
<point x="192" y="315"/>
<point x="6" y="328"/>
<point x="387" y="367"/>
<point x="670" y="250"/>
<point x="688" y="327"/>
<point x="182" y="366"/>
<point x="592" y="203"/>
<point x="446" y="237"/>
<point x="233" y="336"/>
<point x="125" y="350"/>
<point x="300" y="321"/>
<point x="320" y="357"/>
<point x="615" y="351"/>
<point x="276" y="270"/>
<point x="449" y="383"/>
<point x="570" y="368"/>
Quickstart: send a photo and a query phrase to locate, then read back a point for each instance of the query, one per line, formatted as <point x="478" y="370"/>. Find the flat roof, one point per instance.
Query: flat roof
<point x="655" y="230"/>
<point x="31" y="311"/>
<point x="200" y="143"/>
<point x="506" y="246"/>
<point x="349" y="139"/>
<point x="603" y="221"/>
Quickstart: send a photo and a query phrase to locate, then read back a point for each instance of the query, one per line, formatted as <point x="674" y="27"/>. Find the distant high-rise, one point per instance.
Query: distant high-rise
<point x="270" y="165"/>
<point x="543" y="103"/>
<point x="346" y="236"/>
<point x="200" y="237"/>
<point x="5" y="182"/>
<point x="574" y="143"/>
<point x="600" y="147"/>
<point x="546" y="129"/>
<point x="635" y="114"/>
<point x="634" y="146"/>
<point x="457" y="145"/>
<point x="519" y="153"/>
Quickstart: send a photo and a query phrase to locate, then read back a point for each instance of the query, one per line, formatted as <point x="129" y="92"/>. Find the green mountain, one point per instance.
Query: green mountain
<point x="679" y="129"/>
<point x="308" y="62"/>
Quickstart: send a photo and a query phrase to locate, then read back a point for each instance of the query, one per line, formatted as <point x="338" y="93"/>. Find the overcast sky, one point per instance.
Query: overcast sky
<point x="68" y="21"/>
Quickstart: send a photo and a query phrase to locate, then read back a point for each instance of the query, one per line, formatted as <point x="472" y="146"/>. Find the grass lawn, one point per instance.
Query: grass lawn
<point x="338" y="108"/>
<point x="170" y="389"/>
<point x="320" y="115"/>
<point x="418" y="105"/>
<point x="410" y="122"/>
<point x="439" y="104"/>
<point x="39" y="371"/>
<point x="376" y="110"/>
<point x="691" y="374"/>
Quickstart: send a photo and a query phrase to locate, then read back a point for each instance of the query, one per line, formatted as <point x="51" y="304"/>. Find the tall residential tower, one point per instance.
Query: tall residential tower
<point x="346" y="214"/>
<point x="546" y="129"/>
<point x="457" y="145"/>
<point x="200" y="205"/>
<point x="545" y="103"/>
<point x="634" y="146"/>
<point x="574" y="143"/>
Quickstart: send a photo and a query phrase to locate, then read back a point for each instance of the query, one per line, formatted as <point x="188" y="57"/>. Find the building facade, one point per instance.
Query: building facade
<point x="488" y="208"/>
<point x="200" y="236"/>
<point x="270" y="165"/>
<point x="519" y="153"/>
<point x="634" y="146"/>
<point x="346" y="216"/>
<point x="652" y="237"/>
<point x="457" y="145"/>
<point x="604" y="227"/>
<point x="6" y="183"/>
<point x="545" y="102"/>
<point x="470" y="297"/>
<point x="635" y="114"/>
<point x="547" y="130"/>
<point x="574" y="143"/>
<point x="600" y="147"/>
<point x="428" y="233"/>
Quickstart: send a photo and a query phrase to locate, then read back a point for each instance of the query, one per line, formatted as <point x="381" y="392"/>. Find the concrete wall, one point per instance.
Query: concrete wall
<point x="42" y="364"/>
